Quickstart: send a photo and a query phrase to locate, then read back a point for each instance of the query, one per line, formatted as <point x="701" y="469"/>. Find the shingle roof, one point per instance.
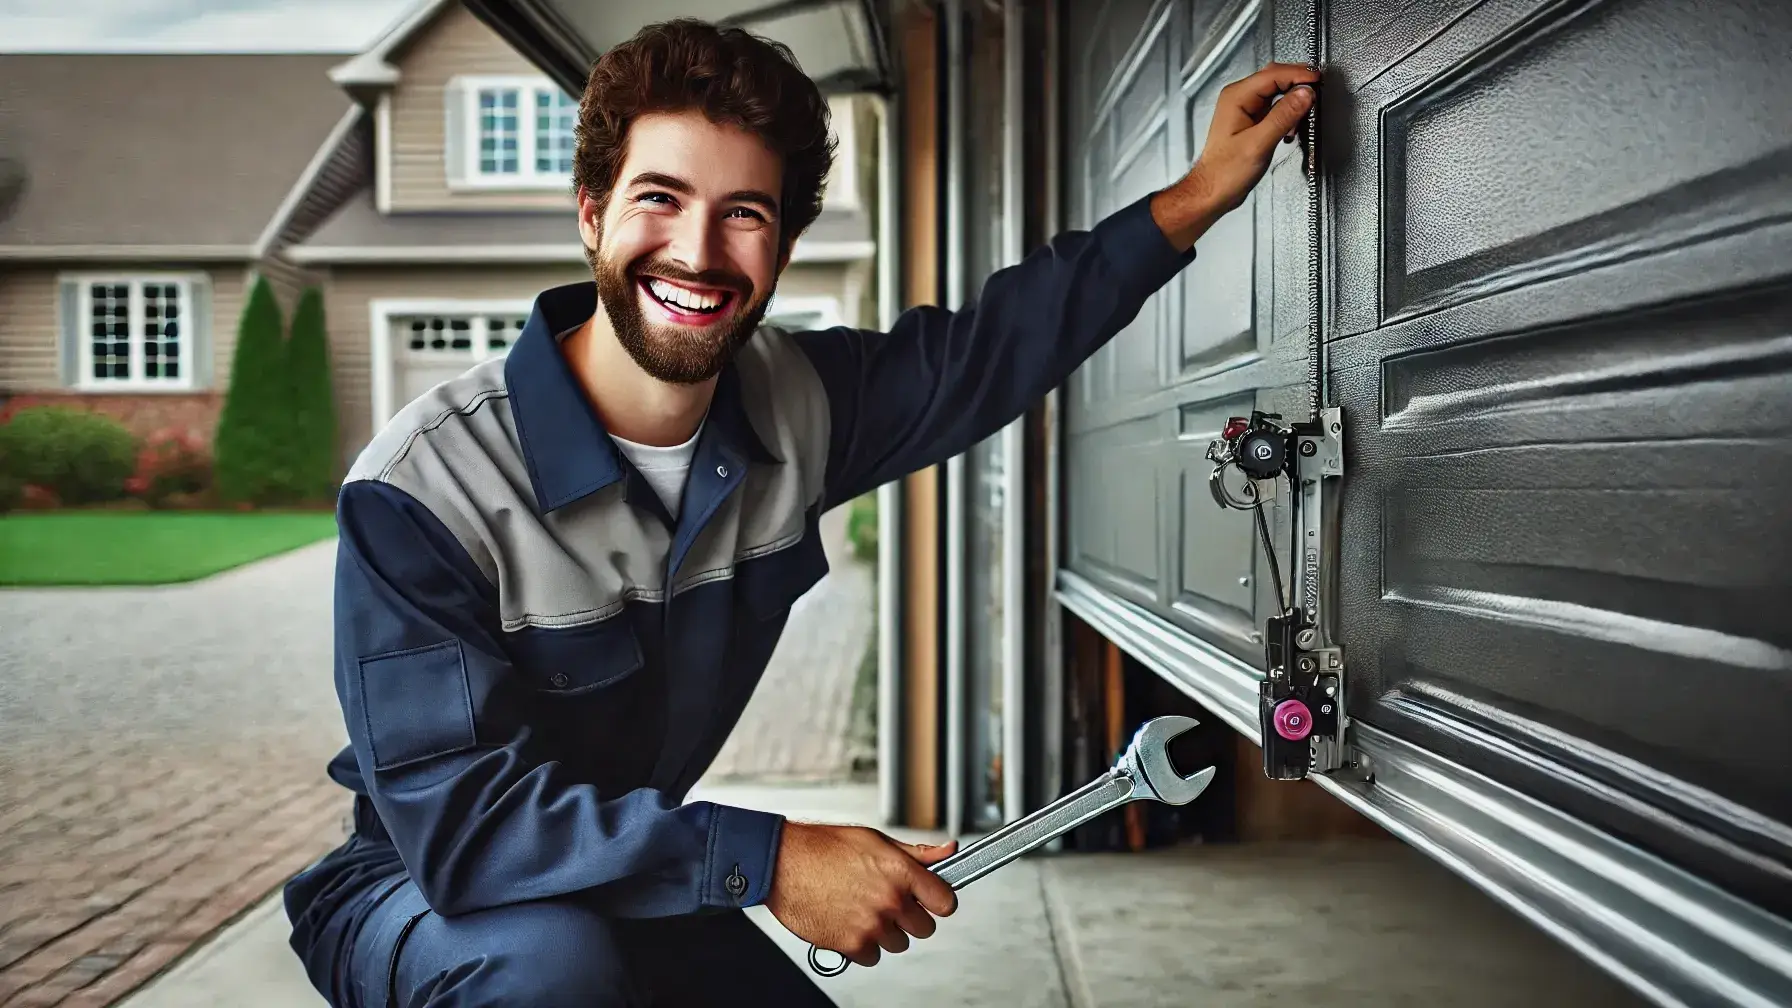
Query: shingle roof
<point x="156" y="150"/>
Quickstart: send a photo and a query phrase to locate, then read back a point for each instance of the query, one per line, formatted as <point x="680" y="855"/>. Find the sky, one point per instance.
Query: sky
<point x="194" y="25"/>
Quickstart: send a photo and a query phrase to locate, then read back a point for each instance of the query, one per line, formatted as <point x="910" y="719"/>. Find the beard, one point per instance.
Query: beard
<point x="677" y="354"/>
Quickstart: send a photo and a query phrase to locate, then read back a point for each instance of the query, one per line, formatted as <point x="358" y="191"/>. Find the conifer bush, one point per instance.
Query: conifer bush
<point x="313" y="401"/>
<point x="252" y="457"/>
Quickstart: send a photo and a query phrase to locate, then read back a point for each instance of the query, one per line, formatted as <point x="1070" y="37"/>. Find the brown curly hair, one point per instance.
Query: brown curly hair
<point x="730" y="74"/>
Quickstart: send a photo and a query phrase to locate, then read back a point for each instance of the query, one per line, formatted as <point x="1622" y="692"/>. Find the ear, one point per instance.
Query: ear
<point x="590" y="217"/>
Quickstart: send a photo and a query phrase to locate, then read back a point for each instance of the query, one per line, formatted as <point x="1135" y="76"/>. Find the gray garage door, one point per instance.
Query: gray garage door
<point x="1559" y="279"/>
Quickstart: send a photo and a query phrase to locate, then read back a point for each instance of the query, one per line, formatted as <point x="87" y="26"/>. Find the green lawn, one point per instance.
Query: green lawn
<point x="145" y="547"/>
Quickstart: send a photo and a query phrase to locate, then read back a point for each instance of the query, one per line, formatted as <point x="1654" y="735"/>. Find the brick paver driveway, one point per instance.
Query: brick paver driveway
<point x="162" y="754"/>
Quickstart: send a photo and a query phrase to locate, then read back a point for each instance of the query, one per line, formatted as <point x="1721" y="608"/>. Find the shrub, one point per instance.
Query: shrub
<point x="81" y="457"/>
<point x="12" y="492"/>
<point x="170" y="465"/>
<point x="252" y="457"/>
<point x="312" y="416"/>
<point x="861" y="527"/>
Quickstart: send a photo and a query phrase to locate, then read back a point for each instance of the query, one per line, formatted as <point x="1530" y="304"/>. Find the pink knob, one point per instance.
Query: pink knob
<point x="1293" y="721"/>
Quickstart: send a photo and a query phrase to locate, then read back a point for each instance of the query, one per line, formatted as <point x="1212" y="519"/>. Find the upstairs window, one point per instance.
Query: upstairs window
<point x="508" y="133"/>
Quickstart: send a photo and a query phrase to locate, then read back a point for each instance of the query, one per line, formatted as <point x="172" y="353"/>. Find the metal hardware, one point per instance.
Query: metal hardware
<point x="1301" y="706"/>
<point x="1143" y="771"/>
<point x="1301" y="701"/>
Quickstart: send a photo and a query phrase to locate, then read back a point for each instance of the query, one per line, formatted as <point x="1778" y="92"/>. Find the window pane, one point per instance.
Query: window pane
<point x="111" y="308"/>
<point x="498" y="120"/>
<point x="161" y="331"/>
<point x="501" y="332"/>
<point x="555" y="114"/>
<point x="437" y="335"/>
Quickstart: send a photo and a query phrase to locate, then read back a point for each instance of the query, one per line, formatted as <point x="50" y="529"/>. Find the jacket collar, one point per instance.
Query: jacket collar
<point x="568" y="452"/>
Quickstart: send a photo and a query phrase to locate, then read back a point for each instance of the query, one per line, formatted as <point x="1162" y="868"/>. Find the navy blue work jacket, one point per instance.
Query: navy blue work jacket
<point x="536" y="661"/>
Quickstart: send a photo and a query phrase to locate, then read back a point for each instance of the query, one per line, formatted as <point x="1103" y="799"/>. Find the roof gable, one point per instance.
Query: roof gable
<point x="377" y="65"/>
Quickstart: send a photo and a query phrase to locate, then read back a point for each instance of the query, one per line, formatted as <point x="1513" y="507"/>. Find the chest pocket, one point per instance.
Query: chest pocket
<point x="765" y="587"/>
<point x="573" y="661"/>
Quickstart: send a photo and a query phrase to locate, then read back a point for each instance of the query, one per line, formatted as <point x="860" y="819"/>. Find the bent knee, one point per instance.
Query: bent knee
<point x="548" y="952"/>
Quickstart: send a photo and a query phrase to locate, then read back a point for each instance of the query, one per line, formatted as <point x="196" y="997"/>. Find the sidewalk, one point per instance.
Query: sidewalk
<point x="1347" y="924"/>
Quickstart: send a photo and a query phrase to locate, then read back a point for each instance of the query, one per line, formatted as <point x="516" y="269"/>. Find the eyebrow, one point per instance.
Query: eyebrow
<point x="678" y="185"/>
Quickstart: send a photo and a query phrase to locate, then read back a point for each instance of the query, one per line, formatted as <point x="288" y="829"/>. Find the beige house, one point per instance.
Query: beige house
<point x="424" y="184"/>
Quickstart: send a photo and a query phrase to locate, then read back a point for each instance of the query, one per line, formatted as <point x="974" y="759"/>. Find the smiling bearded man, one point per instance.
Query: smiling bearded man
<point x="701" y="319"/>
<point x="561" y="574"/>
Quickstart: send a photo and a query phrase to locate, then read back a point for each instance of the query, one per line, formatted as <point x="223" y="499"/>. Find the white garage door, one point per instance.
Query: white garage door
<point x="429" y="348"/>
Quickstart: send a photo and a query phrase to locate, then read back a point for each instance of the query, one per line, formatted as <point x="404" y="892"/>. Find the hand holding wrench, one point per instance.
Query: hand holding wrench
<point x="1143" y="771"/>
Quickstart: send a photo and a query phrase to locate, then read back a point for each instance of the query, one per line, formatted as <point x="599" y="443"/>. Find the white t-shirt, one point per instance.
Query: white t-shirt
<point x="664" y="469"/>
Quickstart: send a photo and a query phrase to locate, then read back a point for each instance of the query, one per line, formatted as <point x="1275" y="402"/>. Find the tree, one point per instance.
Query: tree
<point x="312" y="410"/>
<point x="251" y="454"/>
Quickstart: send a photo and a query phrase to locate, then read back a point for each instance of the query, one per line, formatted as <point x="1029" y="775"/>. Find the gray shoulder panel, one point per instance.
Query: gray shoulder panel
<point x="447" y="449"/>
<point x="455" y="449"/>
<point x="787" y="404"/>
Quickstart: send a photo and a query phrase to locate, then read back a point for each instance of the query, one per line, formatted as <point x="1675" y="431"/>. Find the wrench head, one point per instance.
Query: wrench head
<point x="1148" y="757"/>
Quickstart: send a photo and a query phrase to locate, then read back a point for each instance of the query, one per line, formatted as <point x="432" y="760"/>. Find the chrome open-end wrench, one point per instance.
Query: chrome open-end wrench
<point x="1143" y="771"/>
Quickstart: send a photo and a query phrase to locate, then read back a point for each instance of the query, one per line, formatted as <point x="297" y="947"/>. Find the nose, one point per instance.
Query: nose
<point x="695" y="238"/>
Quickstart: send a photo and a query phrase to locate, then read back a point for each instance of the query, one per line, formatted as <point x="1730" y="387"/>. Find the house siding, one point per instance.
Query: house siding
<point x="28" y="350"/>
<point x="287" y="279"/>
<point x="454" y="43"/>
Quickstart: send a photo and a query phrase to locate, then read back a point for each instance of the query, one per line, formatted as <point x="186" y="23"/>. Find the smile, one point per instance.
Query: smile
<point x="685" y="305"/>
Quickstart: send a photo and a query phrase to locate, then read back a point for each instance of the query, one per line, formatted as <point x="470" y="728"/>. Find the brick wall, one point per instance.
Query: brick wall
<point x="142" y="414"/>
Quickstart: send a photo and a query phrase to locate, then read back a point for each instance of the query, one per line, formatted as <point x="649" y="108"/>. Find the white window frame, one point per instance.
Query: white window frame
<point x="83" y="333"/>
<point x="383" y="311"/>
<point x="470" y="177"/>
<point x="825" y="305"/>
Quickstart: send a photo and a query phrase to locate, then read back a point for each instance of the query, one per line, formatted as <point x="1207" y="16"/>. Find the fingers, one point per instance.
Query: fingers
<point x="929" y="854"/>
<point x="915" y="920"/>
<point x="1270" y="81"/>
<point x="932" y="892"/>
<point x="892" y="938"/>
<point x="1284" y="117"/>
<point x="866" y="955"/>
<point x="1244" y="101"/>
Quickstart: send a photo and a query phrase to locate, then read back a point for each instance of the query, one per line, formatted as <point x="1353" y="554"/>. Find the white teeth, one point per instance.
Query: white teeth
<point x="683" y="298"/>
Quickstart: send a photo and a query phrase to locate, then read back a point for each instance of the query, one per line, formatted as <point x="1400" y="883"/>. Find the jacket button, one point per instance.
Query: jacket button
<point x="736" y="883"/>
<point x="559" y="679"/>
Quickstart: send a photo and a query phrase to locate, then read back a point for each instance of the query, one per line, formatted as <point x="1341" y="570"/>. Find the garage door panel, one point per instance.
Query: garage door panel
<point x="1367" y="36"/>
<point x="1561" y="243"/>
<point x="1215" y="588"/>
<point x="1219" y="323"/>
<point x="1522" y="161"/>
<point x="1135" y="352"/>
<point x="1143" y="85"/>
<point x="1589" y="522"/>
<point x="1115" y="528"/>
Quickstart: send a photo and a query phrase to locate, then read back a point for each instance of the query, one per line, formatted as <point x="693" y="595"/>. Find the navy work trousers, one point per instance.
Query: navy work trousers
<point x="553" y="953"/>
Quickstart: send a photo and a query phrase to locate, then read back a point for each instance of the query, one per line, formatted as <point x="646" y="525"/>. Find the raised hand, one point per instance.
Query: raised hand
<point x="1249" y="118"/>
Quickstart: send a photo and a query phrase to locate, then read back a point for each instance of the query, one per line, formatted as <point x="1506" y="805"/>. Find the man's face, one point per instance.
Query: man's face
<point x="686" y="249"/>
